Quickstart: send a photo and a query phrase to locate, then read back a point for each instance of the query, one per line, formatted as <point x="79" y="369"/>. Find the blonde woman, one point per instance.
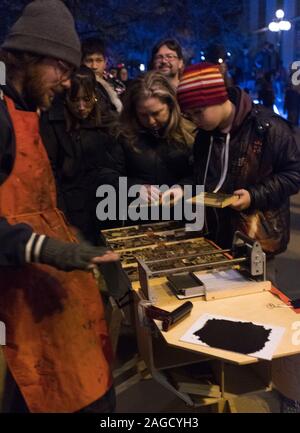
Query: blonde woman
<point x="154" y="142"/>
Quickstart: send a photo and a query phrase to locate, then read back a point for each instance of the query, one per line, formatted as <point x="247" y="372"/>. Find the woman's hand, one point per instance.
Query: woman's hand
<point x="149" y="193"/>
<point x="172" y="196"/>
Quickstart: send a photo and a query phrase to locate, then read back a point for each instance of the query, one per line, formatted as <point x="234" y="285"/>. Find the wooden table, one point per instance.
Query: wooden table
<point x="237" y="374"/>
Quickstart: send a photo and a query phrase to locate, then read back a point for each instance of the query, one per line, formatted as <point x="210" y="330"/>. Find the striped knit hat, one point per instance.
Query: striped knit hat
<point x="201" y="85"/>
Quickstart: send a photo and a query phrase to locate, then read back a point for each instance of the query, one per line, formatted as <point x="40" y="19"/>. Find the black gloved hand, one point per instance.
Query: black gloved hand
<point x="67" y="256"/>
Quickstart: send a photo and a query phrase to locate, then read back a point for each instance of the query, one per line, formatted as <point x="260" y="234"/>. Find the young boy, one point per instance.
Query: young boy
<point x="241" y="149"/>
<point x="247" y="150"/>
<point x="94" y="56"/>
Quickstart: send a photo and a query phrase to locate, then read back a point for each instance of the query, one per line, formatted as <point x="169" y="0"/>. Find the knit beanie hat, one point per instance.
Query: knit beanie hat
<point x="46" y="27"/>
<point x="201" y="85"/>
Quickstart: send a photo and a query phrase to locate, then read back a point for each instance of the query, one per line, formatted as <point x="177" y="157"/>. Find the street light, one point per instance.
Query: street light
<point x="278" y="26"/>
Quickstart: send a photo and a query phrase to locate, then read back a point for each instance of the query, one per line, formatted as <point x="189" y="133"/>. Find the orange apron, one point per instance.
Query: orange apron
<point x="58" y="349"/>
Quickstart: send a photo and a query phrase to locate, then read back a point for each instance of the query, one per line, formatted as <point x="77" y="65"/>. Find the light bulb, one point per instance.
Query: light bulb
<point x="285" y="25"/>
<point x="274" y="27"/>
<point x="279" y="14"/>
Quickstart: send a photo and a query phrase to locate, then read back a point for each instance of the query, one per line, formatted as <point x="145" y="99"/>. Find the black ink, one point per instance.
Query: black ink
<point x="241" y="337"/>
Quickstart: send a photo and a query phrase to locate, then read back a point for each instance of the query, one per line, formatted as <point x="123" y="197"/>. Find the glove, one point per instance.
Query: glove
<point x="67" y="256"/>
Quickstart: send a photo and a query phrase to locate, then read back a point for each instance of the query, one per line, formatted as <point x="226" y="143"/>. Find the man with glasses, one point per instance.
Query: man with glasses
<point x="167" y="58"/>
<point x="58" y="352"/>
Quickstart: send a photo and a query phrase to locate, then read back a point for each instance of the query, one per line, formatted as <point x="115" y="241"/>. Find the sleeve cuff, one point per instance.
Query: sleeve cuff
<point x="33" y="248"/>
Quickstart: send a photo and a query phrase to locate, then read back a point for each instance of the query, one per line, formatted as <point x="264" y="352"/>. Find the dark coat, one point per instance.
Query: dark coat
<point x="264" y="158"/>
<point x="77" y="160"/>
<point x="152" y="162"/>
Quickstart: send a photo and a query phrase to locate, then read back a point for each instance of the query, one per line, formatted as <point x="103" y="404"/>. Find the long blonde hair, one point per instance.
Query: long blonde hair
<point x="154" y="85"/>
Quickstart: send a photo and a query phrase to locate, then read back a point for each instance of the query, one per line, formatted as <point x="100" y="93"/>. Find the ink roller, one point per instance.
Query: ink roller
<point x="169" y="318"/>
<point x="175" y="316"/>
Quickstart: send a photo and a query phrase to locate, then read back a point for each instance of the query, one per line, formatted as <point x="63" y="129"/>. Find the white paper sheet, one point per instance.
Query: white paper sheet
<point x="229" y="279"/>
<point x="266" y="352"/>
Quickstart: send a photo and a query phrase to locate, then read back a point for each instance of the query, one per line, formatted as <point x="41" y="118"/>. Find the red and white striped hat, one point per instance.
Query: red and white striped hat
<point x="201" y="85"/>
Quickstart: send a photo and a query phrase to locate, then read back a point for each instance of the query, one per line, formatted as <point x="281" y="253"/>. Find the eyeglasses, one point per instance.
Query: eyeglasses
<point x="65" y="69"/>
<point x="168" y="57"/>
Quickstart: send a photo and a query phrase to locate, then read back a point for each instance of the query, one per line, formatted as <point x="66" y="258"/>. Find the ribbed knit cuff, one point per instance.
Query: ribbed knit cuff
<point x="33" y="248"/>
<point x="49" y="250"/>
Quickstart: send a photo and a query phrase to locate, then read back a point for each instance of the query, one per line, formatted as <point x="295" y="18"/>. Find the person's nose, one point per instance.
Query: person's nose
<point x="66" y="83"/>
<point x="164" y="61"/>
<point x="81" y="105"/>
<point x="151" y="121"/>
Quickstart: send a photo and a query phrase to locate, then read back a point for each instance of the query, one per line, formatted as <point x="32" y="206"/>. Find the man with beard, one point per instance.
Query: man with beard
<point x="167" y="58"/>
<point x="58" y="352"/>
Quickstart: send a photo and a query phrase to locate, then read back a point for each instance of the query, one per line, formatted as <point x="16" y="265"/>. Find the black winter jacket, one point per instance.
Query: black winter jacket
<point x="77" y="159"/>
<point x="264" y="158"/>
<point x="153" y="162"/>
